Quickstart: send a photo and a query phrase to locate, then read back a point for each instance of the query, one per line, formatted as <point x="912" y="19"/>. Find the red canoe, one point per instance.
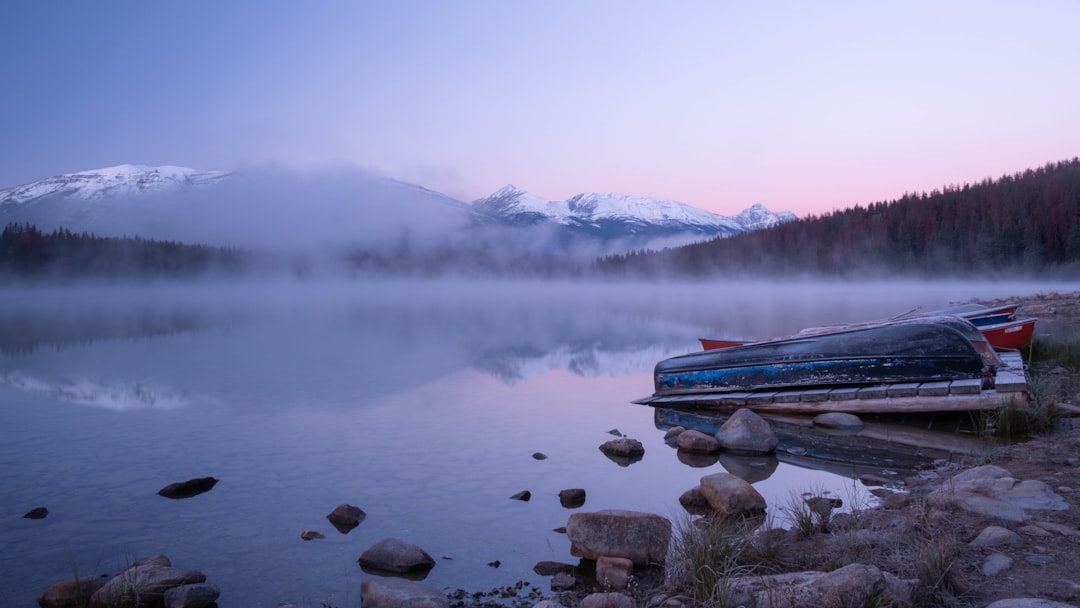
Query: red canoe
<point x="1014" y="334"/>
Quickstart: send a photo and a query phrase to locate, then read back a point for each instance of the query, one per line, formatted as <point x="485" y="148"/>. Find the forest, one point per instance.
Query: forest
<point x="1028" y="223"/>
<point x="28" y="253"/>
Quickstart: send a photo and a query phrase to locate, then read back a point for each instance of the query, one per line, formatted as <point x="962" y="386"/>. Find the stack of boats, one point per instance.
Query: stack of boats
<point x="961" y="358"/>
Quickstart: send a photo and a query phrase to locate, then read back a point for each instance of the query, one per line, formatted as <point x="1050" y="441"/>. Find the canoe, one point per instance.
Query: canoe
<point x="1012" y="334"/>
<point x="978" y="314"/>
<point x="713" y="343"/>
<point x="997" y="323"/>
<point x="922" y="349"/>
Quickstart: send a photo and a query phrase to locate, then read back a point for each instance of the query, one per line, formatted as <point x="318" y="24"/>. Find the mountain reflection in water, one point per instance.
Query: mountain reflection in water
<point x="419" y="402"/>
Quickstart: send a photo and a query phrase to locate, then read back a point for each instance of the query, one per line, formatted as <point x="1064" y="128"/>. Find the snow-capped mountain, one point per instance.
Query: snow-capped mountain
<point x="757" y="217"/>
<point x="617" y="215"/>
<point x="121" y="180"/>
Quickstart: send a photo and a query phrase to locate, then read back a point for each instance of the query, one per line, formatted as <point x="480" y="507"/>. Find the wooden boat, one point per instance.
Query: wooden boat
<point x="978" y="314"/>
<point x="713" y="343"/>
<point x="997" y="324"/>
<point x="922" y="349"/>
<point x="1011" y="334"/>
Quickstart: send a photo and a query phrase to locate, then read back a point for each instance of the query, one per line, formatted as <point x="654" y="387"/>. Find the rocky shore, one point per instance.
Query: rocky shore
<point x="1000" y="530"/>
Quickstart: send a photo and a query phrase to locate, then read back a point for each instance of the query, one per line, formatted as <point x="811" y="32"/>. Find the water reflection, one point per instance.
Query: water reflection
<point x="889" y="446"/>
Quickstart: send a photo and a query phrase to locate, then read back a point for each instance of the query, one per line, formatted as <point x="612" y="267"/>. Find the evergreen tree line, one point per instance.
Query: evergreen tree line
<point x="27" y="252"/>
<point x="1028" y="222"/>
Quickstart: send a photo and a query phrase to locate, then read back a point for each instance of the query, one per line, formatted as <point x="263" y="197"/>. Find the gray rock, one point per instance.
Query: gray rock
<point x="547" y="604"/>
<point x="523" y="496"/>
<point x="563" y="581"/>
<point x="838" y="420"/>
<point x="697" y="442"/>
<point x="36" y="513"/>
<point x="345" y="517"/>
<point x="747" y="432"/>
<point x="642" y="538"/>
<point x="990" y="491"/>
<point x="613" y="572"/>
<point x="549" y="568"/>
<point x="623" y="451"/>
<point x="74" y="592"/>
<point x="189" y="488"/>
<point x="607" y="600"/>
<point x="673" y="433"/>
<point x="730" y="496"/>
<point x="311" y="535"/>
<point x="1039" y="560"/>
<point x="572" y="498"/>
<point x="395" y="556"/>
<point x="856" y="584"/>
<point x="992" y="536"/>
<point x="694" y="501"/>
<point x="143" y="586"/>
<point x="1057" y="528"/>
<point x="201" y="595"/>
<point x="397" y="593"/>
<point x="996" y="563"/>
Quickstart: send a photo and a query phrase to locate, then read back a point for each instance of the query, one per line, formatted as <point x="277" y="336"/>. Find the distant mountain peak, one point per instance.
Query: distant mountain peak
<point x="120" y="180"/>
<point x="596" y="210"/>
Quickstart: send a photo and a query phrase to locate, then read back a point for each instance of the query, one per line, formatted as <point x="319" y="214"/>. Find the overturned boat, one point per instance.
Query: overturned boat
<point x="922" y="349"/>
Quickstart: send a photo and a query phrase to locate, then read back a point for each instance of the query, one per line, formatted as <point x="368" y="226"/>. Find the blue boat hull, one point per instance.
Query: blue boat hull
<point x="916" y="350"/>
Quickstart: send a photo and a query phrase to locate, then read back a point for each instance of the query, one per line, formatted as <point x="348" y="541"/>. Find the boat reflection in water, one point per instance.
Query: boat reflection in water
<point x="888" y="447"/>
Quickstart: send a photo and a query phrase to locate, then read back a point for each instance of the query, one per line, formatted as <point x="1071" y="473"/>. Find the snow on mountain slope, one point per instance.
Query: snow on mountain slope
<point x="758" y="217"/>
<point x="516" y="205"/>
<point x="121" y="180"/>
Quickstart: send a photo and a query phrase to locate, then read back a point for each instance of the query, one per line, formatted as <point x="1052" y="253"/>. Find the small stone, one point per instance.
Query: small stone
<point x="1033" y="530"/>
<point x="549" y="568"/>
<point x="1039" y="560"/>
<point x="572" y="498"/>
<point x="992" y="536"/>
<point x="562" y="581"/>
<point x="345" y="517"/>
<point x="673" y="433"/>
<point x="615" y="432"/>
<point x="311" y="535"/>
<point x="996" y="563"/>
<point x="872" y="480"/>
<point x="495" y="564"/>
<point x="559" y="530"/>
<point x="539" y="456"/>
<point x="199" y="595"/>
<point x="36" y="513"/>
<point x="523" y="496"/>
<point x="189" y="488"/>
<point x="838" y="420"/>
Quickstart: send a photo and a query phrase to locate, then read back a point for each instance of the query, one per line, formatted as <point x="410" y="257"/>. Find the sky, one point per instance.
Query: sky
<point x="800" y="106"/>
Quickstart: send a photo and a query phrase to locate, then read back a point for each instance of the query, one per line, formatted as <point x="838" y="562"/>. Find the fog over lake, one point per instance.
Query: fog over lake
<point x="421" y="402"/>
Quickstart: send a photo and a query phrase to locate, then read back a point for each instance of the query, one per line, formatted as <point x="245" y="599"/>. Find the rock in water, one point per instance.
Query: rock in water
<point x="37" y="513"/>
<point x="189" y="488"/>
<point x="345" y="517"/>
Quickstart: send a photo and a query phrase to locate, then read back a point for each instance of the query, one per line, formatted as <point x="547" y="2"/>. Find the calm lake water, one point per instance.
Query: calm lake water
<point x="420" y="402"/>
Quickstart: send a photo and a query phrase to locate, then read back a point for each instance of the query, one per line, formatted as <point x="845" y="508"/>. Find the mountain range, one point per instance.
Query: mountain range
<point x="166" y="199"/>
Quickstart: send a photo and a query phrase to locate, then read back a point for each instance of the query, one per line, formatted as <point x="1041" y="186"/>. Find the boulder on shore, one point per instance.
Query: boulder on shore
<point x="143" y="585"/>
<point x="74" y="592"/>
<point x="747" y="432"/>
<point x="397" y="593"/>
<point x="395" y="556"/>
<point x="731" y="496"/>
<point x="697" y="442"/>
<point x="642" y="538"/>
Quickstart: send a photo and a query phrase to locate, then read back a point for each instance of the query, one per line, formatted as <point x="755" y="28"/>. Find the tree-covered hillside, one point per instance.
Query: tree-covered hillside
<point x="27" y="252"/>
<point x="1028" y="222"/>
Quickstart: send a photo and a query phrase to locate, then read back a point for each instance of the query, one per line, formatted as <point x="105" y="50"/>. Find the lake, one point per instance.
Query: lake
<point x="421" y="402"/>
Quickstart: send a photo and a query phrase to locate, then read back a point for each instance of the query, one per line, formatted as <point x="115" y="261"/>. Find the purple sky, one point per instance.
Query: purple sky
<point x="804" y="106"/>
